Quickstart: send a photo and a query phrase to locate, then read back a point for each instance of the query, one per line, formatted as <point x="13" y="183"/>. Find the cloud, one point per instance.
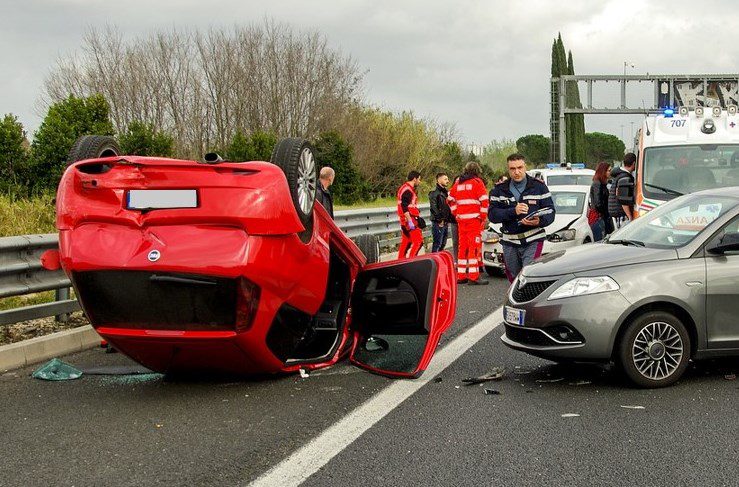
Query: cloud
<point x="483" y="65"/>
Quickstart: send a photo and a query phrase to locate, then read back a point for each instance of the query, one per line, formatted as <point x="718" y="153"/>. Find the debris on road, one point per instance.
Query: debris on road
<point x="495" y="374"/>
<point x="438" y="379"/>
<point x="492" y="392"/>
<point x="549" y="381"/>
<point x="730" y="377"/>
<point x="55" y="369"/>
<point x="116" y="370"/>
<point x="581" y="383"/>
<point x="633" y="407"/>
<point x="570" y="415"/>
<point x="304" y="373"/>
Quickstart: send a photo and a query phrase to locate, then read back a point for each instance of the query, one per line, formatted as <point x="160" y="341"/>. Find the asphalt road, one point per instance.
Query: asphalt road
<point x="143" y="430"/>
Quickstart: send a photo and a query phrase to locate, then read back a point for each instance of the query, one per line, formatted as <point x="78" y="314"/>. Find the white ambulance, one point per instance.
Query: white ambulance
<point x="683" y="151"/>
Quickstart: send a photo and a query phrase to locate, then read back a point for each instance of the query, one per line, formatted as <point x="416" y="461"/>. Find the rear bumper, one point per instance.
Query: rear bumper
<point x="200" y="336"/>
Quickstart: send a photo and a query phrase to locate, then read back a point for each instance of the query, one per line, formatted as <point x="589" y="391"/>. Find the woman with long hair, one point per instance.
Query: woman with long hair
<point x="600" y="222"/>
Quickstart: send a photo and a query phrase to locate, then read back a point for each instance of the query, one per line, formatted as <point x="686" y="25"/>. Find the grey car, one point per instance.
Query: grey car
<point x="662" y="290"/>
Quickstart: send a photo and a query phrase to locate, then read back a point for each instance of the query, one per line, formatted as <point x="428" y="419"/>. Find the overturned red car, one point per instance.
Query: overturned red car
<point x="230" y="267"/>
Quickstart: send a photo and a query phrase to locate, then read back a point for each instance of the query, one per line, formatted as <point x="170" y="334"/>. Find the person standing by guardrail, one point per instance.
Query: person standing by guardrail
<point x="524" y="206"/>
<point x="411" y="222"/>
<point x="468" y="201"/>
<point x="441" y="215"/>
<point x="323" y="195"/>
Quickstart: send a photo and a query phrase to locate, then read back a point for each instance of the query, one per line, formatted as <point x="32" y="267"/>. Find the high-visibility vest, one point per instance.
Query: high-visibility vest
<point x="468" y="200"/>
<point x="412" y="207"/>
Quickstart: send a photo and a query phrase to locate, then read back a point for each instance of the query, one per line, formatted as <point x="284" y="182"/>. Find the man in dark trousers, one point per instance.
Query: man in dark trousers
<point x="411" y="237"/>
<point x="441" y="215"/>
<point x="621" y="193"/>
<point x="323" y="195"/>
<point x="513" y="203"/>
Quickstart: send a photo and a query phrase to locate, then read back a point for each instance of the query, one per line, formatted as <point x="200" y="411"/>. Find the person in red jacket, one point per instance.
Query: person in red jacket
<point x="411" y="235"/>
<point x="468" y="200"/>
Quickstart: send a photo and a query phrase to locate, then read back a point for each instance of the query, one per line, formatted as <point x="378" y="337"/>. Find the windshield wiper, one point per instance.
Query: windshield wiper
<point x="666" y="190"/>
<point x="623" y="241"/>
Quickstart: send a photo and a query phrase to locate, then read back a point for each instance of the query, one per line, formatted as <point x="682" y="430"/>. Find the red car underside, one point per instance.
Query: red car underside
<point x="233" y="287"/>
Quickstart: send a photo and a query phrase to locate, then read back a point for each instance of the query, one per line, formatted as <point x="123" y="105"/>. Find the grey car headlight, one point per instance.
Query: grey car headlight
<point x="563" y="235"/>
<point x="581" y="286"/>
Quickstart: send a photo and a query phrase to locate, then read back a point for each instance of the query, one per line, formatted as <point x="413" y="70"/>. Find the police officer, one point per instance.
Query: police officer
<point x="510" y="202"/>
<point x="411" y="236"/>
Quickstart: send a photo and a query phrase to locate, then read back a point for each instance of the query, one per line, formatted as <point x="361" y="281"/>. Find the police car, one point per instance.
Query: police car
<point x="568" y="174"/>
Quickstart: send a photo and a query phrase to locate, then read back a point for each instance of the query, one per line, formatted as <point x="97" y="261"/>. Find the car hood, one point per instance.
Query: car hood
<point x="561" y="221"/>
<point x="590" y="257"/>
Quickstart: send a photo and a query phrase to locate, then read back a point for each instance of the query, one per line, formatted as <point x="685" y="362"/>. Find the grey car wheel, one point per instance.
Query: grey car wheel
<point x="655" y="349"/>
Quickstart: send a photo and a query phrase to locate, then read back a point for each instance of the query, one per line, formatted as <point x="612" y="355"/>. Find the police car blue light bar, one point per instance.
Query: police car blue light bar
<point x="669" y="112"/>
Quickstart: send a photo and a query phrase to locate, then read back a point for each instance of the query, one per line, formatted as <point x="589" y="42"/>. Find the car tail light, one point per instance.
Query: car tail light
<point x="247" y="304"/>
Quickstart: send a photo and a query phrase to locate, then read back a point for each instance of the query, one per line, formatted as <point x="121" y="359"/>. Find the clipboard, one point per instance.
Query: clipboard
<point x="547" y="210"/>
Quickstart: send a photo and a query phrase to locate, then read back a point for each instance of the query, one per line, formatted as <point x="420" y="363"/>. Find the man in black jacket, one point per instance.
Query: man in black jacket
<point x="323" y="195"/>
<point x="441" y="215"/>
<point x="621" y="192"/>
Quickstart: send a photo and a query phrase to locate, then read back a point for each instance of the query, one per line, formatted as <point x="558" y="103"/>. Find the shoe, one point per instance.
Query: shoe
<point x="462" y="281"/>
<point x="478" y="282"/>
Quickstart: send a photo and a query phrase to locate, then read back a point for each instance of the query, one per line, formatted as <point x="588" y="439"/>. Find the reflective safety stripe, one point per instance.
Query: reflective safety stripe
<point x="472" y="262"/>
<point x="483" y="197"/>
<point x="536" y="196"/>
<point x="461" y="261"/>
<point x="468" y="202"/>
<point x="531" y="235"/>
<point x="469" y="216"/>
<point x="502" y="198"/>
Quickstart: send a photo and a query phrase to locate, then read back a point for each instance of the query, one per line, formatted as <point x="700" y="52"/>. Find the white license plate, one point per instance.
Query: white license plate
<point x="514" y="316"/>
<point x="148" y="199"/>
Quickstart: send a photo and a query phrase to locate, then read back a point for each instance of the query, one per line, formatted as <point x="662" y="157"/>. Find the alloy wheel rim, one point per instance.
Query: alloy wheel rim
<point x="306" y="181"/>
<point x="657" y="350"/>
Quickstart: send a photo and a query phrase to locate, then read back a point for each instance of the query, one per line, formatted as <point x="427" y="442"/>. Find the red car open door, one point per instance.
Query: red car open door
<point x="400" y="309"/>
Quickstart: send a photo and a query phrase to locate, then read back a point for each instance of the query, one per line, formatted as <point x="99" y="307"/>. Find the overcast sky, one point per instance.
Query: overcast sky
<point x="483" y="65"/>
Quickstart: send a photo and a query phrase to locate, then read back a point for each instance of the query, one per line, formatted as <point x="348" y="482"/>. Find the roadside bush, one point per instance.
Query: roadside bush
<point x="141" y="139"/>
<point x="64" y="123"/>
<point x="13" y="152"/>
<point x="349" y="186"/>
<point x="257" y="147"/>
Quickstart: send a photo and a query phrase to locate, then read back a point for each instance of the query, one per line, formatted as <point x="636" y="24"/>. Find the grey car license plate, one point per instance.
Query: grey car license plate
<point x="514" y="316"/>
<point x="149" y="199"/>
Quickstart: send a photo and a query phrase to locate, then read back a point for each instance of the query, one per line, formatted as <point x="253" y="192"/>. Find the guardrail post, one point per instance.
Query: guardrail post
<point x="62" y="295"/>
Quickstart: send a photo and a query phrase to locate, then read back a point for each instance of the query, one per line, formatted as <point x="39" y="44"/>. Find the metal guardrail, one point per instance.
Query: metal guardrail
<point x="21" y="272"/>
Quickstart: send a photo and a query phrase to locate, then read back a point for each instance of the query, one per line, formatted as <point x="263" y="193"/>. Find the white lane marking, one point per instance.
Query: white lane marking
<point x="311" y="457"/>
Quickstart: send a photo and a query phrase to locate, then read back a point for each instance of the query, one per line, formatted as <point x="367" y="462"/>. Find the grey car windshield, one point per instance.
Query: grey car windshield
<point x="568" y="202"/>
<point x="675" y="223"/>
<point x="685" y="169"/>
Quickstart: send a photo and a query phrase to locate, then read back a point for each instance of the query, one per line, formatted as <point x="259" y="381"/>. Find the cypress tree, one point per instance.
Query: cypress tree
<point x="577" y="135"/>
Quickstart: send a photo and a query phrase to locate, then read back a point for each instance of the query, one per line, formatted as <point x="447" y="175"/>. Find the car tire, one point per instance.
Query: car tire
<point x="492" y="271"/>
<point x="370" y="247"/>
<point x="295" y="157"/>
<point x="654" y="350"/>
<point x="93" y="147"/>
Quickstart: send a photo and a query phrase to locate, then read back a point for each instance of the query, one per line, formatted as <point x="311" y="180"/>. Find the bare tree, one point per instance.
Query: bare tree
<point x="202" y="87"/>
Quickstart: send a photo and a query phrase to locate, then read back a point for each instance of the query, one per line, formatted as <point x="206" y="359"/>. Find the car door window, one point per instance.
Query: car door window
<point x="731" y="233"/>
